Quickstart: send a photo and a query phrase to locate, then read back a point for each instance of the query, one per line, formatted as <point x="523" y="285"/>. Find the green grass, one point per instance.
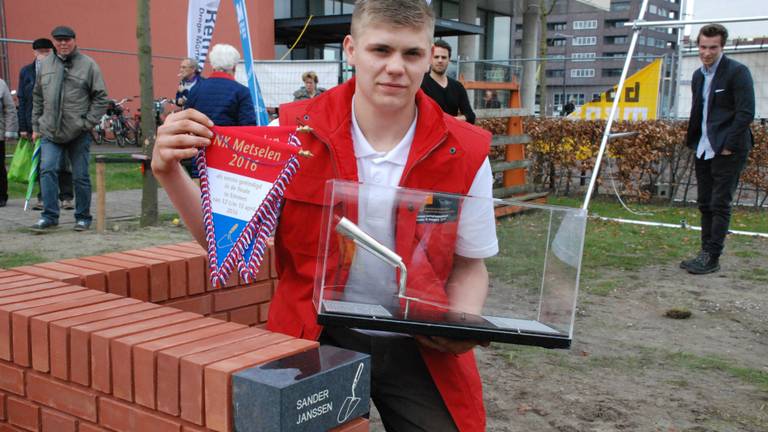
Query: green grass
<point x="743" y="219"/>
<point x="15" y="259"/>
<point x="117" y="177"/>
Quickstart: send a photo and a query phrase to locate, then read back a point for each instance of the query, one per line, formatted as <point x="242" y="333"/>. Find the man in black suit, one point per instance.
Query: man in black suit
<point x="719" y="132"/>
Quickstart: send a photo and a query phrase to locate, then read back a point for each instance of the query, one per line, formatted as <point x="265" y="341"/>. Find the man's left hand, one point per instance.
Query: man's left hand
<point x="726" y="152"/>
<point x="448" y="345"/>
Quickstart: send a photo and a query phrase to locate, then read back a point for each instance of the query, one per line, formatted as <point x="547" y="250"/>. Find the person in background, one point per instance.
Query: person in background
<point x="309" y="89"/>
<point x="377" y="127"/>
<point x="8" y="128"/>
<point x="720" y="135"/>
<point x="490" y="100"/>
<point x="569" y="108"/>
<point x="446" y="91"/>
<point x="190" y="75"/>
<point x="41" y="48"/>
<point x="68" y="101"/>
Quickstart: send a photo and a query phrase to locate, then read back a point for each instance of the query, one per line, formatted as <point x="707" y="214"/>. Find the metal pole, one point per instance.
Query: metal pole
<point x="614" y="108"/>
<point x="639" y="23"/>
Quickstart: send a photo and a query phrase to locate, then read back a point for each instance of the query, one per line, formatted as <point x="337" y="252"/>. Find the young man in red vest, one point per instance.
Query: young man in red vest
<point x="376" y="128"/>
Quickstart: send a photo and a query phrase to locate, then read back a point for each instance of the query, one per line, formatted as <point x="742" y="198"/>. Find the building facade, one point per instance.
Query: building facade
<point x="587" y="47"/>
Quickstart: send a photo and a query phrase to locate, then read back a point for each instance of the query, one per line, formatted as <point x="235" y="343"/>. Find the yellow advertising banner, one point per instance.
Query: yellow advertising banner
<point x="640" y="98"/>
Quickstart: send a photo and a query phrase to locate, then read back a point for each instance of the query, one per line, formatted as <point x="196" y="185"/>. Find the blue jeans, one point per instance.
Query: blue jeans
<point x="79" y="152"/>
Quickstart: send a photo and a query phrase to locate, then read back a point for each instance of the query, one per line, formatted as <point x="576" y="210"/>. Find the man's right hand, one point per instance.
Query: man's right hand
<point x="180" y="137"/>
<point x="22" y="134"/>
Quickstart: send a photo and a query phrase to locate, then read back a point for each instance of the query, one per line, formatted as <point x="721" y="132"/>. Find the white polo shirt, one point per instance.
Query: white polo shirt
<point x="369" y="277"/>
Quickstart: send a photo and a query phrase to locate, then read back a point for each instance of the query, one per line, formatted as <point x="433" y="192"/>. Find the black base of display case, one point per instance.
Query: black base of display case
<point x="445" y="324"/>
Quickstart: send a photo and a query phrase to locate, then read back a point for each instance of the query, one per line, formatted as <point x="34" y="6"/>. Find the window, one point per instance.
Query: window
<point x="611" y="72"/>
<point x="653" y="9"/>
<point x="584" y="40"/>
<point x="616" y="40"/>
<point x="555" y="73"/>
<point x="641" y="40"/>
<point x="585" y="25"/>
<point x="582" y="73"/>
<point x="661" y="43"/>
<point x="556" y="42"/>
<point x="650" y="41"/>
<point x="595" y="97"/>
<point x="561" y="99"/>
<point x="619" y="6"/>
<point x="614" y="54"/>
<point x="615" y="23"/>
<point x="587" y="56"/>
<point x="557" y="26"/>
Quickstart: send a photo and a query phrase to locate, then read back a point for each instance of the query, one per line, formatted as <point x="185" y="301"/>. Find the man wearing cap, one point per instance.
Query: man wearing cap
<point x="69" y="98"/>
<point x="41" y="48"/>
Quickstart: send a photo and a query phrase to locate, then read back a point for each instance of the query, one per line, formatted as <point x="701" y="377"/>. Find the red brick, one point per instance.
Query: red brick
<point x="238" y="297"/>
<point x="20" y="321"/>
<point x="51" y="274"/>
<point x="12" y="295"/>
<point x="4" y="427"/>
<point x="359" y="424"/>
<point x="117" y="277"/>
<point x="59" y="335"/>
<point x="218" y="379"/>
<point x="8" y="273"/>
<point x="188" y="428"/>
<point x="168" y="364"/>
<point x="127" y="418"/>
<point x="61" y="396"/>
<point x="248" y="315"/>
<point x="222" y="316"/>
<point x="158" y="274"/>
<point x="38" y="328"/>
<point x="91" y="278"/>
<point x="177" y="270"/>
<point x="24" y="414"/>
<point x="192" y="387"/>
<point x="138" y="275"/>
<point x="121" y="352"/>
<point x="32" y="287"/>
<point x="264" y="312"/>
<point x="87" y="427"/>
<point x="196" y="264"/>
<point x="11" y="378"/>
<point x="201" y="304"/>
<point x="144" y="355"/>
<point x="53" y="421"/>
<point x="101" y="363"/>
<point x="2" y="406"/>
<point x="40" y="298"/>
<point x="20" y="280"/>
<point x="80" y="340"/>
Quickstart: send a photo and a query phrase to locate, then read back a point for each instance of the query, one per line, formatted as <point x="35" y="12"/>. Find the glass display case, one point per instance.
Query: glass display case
<point x="420" y="262"/>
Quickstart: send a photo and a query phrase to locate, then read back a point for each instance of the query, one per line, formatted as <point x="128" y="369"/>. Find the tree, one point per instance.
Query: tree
<point x="543" y="49"/>
<point x="148" y="127"/>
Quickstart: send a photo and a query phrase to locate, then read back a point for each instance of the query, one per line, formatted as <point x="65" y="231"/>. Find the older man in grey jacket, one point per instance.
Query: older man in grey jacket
<point x="8" y="128"/>
<point x="68" y="100"/>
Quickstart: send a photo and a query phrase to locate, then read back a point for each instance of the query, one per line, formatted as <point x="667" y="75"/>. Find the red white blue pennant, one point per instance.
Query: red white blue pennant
<point x="243" y="175"/>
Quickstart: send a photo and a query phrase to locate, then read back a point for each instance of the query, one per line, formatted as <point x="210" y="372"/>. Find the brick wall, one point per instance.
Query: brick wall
<point x="131" y="341"/>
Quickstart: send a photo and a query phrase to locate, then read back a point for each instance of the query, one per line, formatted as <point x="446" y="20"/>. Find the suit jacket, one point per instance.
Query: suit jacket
<point x="26" y="85"/>
<point x="730" y="110"/>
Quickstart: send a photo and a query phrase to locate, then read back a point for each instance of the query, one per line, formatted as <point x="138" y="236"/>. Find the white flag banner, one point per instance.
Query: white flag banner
<point x="201" y="18"/>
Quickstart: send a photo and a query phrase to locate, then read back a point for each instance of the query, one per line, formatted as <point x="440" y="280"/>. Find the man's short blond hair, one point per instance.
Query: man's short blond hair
<point x="416" y="14"/>
<point x="309" y="75"/>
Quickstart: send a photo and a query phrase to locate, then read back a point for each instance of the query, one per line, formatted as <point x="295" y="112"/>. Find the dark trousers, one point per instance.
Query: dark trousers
<point x="401" y="386"/>
<point x="65" y="181"/>
<point x="716" y="180"/>
<point x="3" y="174"/>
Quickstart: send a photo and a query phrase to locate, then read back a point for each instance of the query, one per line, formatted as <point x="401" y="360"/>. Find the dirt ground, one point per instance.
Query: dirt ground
<point x="630" y="367"/>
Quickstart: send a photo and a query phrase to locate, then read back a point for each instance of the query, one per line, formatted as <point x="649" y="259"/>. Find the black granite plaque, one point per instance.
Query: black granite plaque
<point x="312" y="391"/>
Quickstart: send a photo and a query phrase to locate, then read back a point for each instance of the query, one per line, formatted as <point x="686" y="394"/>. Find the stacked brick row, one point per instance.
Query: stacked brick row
<point x="171" y="275"/>
<point x="82" y="349"/>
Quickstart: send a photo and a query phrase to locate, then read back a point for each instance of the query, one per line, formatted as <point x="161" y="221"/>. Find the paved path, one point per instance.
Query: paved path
<point x="120" y="205"/>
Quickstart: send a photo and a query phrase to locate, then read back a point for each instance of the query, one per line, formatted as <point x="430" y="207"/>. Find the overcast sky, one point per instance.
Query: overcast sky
<point x="704" y="9"/>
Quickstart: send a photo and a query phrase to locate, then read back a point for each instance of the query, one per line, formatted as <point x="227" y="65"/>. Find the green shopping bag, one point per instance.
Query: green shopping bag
<point x="21" y="162"/>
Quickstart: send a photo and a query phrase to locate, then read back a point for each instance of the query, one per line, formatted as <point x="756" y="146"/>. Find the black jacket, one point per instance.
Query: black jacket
<point x="731" y="108"/>
<point x="26" y="85"/>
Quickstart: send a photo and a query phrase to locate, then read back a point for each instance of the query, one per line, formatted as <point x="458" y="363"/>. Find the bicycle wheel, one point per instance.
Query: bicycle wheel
<point x="119" y="132"/>
<point x="129" y="132"/>
<point x="108" y="131"/>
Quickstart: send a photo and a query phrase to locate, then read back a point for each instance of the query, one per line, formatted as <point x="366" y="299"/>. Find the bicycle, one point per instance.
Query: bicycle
<point x="122" y="130"/>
